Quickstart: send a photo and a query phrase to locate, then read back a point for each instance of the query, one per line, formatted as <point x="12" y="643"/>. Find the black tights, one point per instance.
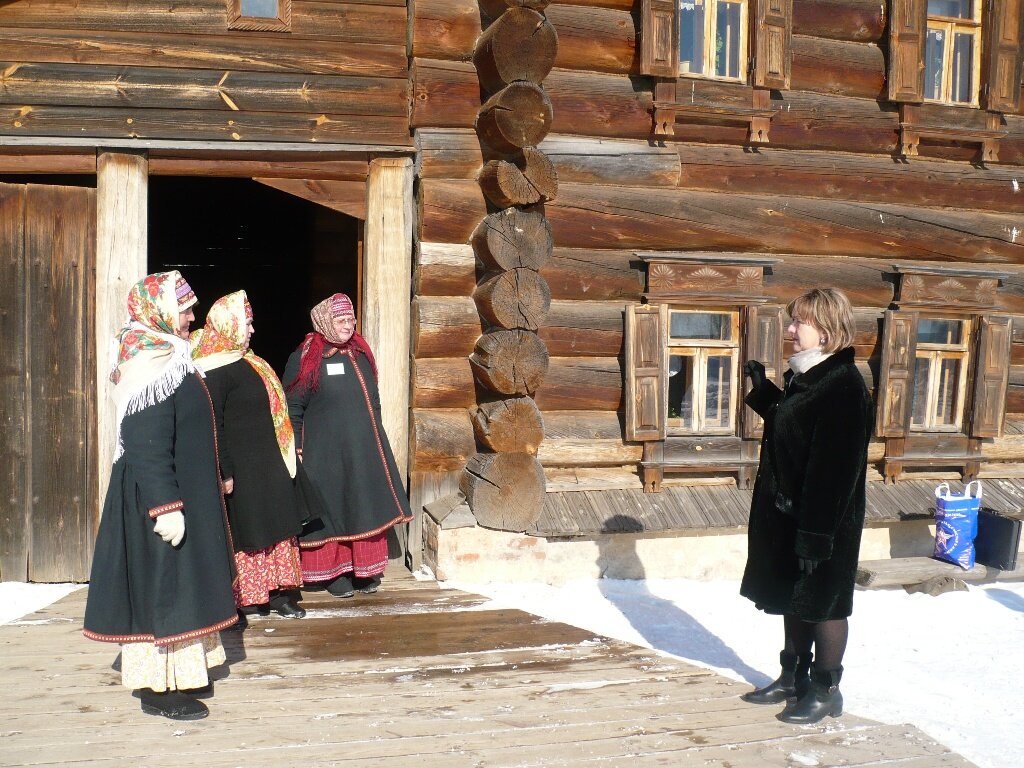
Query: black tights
<point x="827" y="637"/>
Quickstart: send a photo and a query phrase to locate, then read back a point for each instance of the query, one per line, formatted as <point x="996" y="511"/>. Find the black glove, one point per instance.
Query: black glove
<point x="806" y="565"/>
<point x="755" y="371"/>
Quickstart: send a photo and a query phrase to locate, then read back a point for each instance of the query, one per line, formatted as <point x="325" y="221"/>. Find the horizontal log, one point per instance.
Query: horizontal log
<point x="839" y="67"/>
<point x="588" y="384"/>
<point x="451" y="270"/>
<point x="226" y="165"/>
<point x="586" y="439"/>
<point x="787" y="172"/>
<point x="456" y="153"/>
<point x="445" y="326"/>
<point x="858" y="20"/>
<point x="77" y="85"/>
<point x="204" y="125"/>
<point x="48" y="162"/>
<point x="441" y="440"/>
<point x="273" y="53"/>
<point x="591" y="216"/>
<point x="366" y="22"/>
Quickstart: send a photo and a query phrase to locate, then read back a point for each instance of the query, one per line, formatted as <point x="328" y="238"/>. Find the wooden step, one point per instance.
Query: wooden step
<point x="903" y="571"/>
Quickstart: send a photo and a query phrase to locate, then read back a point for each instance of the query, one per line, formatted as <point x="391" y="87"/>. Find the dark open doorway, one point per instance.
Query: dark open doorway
<point x="230" y="234"/>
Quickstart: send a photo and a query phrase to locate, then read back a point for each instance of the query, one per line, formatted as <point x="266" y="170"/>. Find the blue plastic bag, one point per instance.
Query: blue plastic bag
<point x="956" y="524"/>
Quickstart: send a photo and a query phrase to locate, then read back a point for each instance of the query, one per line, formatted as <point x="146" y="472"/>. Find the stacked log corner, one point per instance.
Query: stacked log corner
<point x="504" y="482"/>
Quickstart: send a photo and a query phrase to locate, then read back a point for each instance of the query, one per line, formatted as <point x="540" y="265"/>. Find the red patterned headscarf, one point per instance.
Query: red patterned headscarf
<point x="323" y="342"/>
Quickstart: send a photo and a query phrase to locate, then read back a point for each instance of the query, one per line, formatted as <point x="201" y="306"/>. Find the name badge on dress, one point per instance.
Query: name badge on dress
<point x="335" y="369"/>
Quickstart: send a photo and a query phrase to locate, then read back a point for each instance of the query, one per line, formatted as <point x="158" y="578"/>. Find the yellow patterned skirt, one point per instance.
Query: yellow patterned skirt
<point x="178" y="666"/>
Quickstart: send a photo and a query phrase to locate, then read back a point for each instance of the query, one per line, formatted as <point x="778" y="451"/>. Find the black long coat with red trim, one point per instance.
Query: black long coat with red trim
<point x="345" y="452"/>
<point x="142" y="589"/>
<point x="814" y="453"/>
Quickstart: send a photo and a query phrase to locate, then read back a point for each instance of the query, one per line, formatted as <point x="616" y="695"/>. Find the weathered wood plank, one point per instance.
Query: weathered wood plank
<point x="348" y="197"/>
<point x="78" y="85"/>
<point x="900" y="571"/>
<point x="252" y="52"/>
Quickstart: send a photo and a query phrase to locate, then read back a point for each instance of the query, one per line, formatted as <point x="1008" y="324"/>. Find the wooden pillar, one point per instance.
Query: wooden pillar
<point x="121" y="247"/>
<point x="387" y="291"/>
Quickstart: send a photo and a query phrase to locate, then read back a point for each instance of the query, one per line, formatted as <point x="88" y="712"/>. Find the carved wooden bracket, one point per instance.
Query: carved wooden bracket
<point x="951" y="289"/>
<point x="933" y="121"/>
<point x="697" y="278"/>
<point x="670" y="106"/>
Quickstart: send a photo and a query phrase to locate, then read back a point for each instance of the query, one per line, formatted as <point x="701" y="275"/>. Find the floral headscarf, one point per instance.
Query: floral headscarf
<point x="150" y="360"/>
<point x="222" y="341"/>
<point x="323" y="342"/>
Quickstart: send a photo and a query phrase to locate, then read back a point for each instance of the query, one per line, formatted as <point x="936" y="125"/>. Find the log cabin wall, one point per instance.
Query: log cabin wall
<point x="157" y="69"/>
<point x="825" y="196"/>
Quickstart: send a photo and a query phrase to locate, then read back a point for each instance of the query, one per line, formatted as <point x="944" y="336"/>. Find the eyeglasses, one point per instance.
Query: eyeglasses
<point x="345" y="320"/>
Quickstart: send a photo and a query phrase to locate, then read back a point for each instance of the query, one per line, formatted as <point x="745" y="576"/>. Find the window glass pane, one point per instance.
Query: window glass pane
<point x="956" y="9"/>
<point x="718" y="397"/>
<point x="691" y="37"/>
<point x="919" y="409"/>
<point x="680" y="388"/>
<point x="936" y="331"/>
<point x="260" y="9"/>
<point x="716" y="326"/>
<point x="727" y="40"/>
<point x="945" y="406"/>
<point x="933" y="63"/>
<point x="963" y="58"/>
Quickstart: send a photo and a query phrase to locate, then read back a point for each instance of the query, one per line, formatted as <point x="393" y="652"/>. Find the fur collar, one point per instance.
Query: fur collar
<point x="817" y="373"/>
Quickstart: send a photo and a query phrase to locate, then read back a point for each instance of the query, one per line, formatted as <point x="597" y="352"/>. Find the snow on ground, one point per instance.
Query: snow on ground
<point x="952" y="665"/>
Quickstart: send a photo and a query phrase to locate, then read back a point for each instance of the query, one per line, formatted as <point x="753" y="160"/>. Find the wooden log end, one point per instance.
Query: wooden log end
<point x="517" y="299"/>
<point x="510" y="362"/>
<point x="505" y="491"/>
<point x="513" y="425"/>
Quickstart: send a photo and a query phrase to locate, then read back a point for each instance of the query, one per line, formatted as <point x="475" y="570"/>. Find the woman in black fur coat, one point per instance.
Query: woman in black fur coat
<point x="808" y="505"/>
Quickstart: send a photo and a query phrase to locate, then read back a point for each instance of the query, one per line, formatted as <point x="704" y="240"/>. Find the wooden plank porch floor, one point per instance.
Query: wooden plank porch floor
<point x="415" y="677"/>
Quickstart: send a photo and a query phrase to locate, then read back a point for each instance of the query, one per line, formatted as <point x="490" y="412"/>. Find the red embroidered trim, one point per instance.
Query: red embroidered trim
<point x="163" y="509"/>
<point x="191" y="635"/>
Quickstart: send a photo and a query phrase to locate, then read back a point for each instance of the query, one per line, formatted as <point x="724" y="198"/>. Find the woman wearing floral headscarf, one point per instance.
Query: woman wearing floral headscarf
<point x="257" y="457"/>
<point x="335" y="410"/>
<point x="163" y="567"/>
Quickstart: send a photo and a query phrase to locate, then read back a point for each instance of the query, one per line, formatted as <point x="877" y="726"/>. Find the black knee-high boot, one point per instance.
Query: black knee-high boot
<point x="792" y="682"/>
<point x="822" y="698"/>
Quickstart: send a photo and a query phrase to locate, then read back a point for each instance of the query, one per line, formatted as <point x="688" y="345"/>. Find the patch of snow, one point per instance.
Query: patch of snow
<point x="18" y="599"/>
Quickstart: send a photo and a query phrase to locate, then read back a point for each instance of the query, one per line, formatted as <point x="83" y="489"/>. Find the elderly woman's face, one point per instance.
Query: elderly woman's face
<point x="804" y="334"/>
<point x="344" y="326"/>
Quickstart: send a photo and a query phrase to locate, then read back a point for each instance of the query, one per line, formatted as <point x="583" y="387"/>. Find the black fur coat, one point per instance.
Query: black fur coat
<point x="809" y="493"/>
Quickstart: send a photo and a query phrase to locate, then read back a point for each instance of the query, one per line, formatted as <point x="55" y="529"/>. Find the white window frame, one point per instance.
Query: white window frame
<point x="710" y="24"/>
<point x="701" y="350"/>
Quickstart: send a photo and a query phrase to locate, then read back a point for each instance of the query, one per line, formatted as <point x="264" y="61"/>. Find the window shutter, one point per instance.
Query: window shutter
<point x="907" y="29"/>
<point x="645" y="371"/>
<point x="991" y="375"/>
<point x="773" y="43"/>
<point x="1002" y="49"/>
<point x="762" y="341"/>
<point x="659" y="38"/>
<point x="895" y="390"/>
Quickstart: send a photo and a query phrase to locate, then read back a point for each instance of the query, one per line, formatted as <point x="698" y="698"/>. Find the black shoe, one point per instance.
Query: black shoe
<point x="341" y="586"/>
<point x="791" y="683"/>
<point x="822" y="699"/>
<point x="282" y="605"/>
<point x="254" y="610"/>
<point x="368" y="586"/>
<point x="241" y="625"/>
<point x="206" y="692"/>
<point x="175" y="705"/>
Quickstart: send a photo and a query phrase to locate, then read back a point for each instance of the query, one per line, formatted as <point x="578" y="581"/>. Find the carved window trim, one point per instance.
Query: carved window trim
<point x="281" y="23"/>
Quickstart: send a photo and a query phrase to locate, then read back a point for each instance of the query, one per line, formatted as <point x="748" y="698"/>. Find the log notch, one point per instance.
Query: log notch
<point x="505" y="488"/>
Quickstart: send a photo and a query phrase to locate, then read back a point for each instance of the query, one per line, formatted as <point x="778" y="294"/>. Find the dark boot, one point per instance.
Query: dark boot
<point x="341" y="586"/>
<point x="793" y="681"/>
<point x="368" y="585"/>
<point x="282" y="605"/>
<point x="822" y="698"/>
<point x="175" y="705"/>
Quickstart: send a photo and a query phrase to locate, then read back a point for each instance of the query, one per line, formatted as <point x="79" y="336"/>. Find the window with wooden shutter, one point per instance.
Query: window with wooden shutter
<point x="991" y="376"/>
<point x="762" y="341"/>
<point x="1003" y="52"/>
<point x="260" y="15"/>
<point x="895" y="386"/>
<point x="907" y="28"/>
<point x="773" y="38"/>
<point x="659" y="38"/>
<point x="645" y="371"/>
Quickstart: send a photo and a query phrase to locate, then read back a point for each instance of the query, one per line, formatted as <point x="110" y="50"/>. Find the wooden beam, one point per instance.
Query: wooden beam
<point x="348" y="197"/>
<point x="387" y="286"/>
<point x="122" y="188"/>
<point x="265" y="165"/>
<point x="48" y="162"/>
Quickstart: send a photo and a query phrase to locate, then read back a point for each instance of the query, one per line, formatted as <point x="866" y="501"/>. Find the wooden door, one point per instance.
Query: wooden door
<point x="47" y="382"/>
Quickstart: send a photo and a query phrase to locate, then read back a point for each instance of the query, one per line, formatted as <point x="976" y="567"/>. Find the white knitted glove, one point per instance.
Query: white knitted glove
<point x="170" y="527"/>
